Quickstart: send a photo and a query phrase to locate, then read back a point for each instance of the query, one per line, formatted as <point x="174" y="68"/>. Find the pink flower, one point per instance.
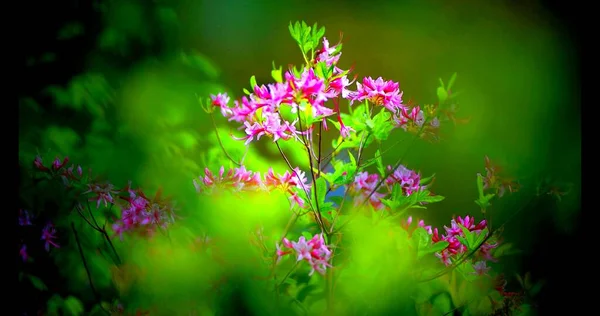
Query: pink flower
<point x="406" y="178"/>
<point x="481" y="268"/>
<point x="48" y="235"/>
<point x="379" y="92"/>
<point x="24" y="218"/>
<point x="314" y="251"/>
<point x="57" y="164"/>
<point x="23" y="253"/>
<point x="103" y="192"/>
<point x="38" y="163"/>
<point x="221" y="101"/>
<point x="326" y="54"/>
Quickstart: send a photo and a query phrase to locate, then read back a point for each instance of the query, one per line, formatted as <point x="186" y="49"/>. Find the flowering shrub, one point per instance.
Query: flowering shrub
<point x="351" y="220"/>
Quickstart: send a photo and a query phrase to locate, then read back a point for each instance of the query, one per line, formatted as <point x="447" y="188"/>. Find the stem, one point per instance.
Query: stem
<point x="387" y="175"/>
<point x="85" y="265"/>
<point x="220" y="142"/>
<point x="319" y="157"/>
<point x="103" y="232"/>
<point x="295" y="173"/>
<point x="314" y="179"/>
<point x="288" y="274"/>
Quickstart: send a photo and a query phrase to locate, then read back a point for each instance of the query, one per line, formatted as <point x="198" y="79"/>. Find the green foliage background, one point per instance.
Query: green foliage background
<point x="130" y="109"/>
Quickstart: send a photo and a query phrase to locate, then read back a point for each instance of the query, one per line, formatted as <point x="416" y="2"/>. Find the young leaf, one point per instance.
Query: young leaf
<point x="451" y="82"/>
<point x="427" y="180"/>
<point x="442" y="94"/>
<point x="433" y="248"/>
<point x="379" y="162"/>
<point x="469" y="236"/>
<point x="253" y="81"/>
<point x="320" y="190"/>
<point x="431" y="198"/>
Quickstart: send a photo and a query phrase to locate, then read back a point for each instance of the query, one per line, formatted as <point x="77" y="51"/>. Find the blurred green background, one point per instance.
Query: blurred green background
<point x="114" y="85"/>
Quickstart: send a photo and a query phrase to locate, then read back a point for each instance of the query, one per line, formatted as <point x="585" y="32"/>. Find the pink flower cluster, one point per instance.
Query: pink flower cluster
<point x="309" y="91"/>
<point x="240" y="179"/>
<point x="455" y="247"/>
<point x="143" y="215"/>
<point x="365" y="185"/>
<point x="313" y="251"/>
<point x="138" y="213"/>
<point x="57" y="168"/>
<point x="48" y="234"/>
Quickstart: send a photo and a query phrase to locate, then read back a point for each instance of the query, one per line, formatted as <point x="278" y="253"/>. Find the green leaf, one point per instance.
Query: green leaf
<point x="73" y="306"/>
<point x="304" y="292"/>
<point x="253" y="82"/>
<point x="276" y="73"/>
<point x="379" y="162"/>
<point x="37" y="282"/>
<point x="451" y="82"/>
<point x="70" y="30"/>
<point x="337" y="199"/>
<point x="294" y="30"/>
<point x="54" y="305"/>
<point x="320" y="190"/>
<point x="469" y="236"/>
<point x="433" y="248"/>
<point x="431" y="198"/>
<point x="480" y="184"/>
<point x="442" y="303"/>
<point x="427" y="180"/>
<point x="307" y="235"/>
<point x="442" y="94"/>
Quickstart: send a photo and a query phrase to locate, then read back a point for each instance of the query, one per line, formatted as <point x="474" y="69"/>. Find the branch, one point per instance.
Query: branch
<point x="220" y="142"/>
<point x="87" y="270"/>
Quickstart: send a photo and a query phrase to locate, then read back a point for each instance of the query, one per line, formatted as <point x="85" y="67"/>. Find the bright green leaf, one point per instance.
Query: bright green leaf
<point x="442" y="94"/>
<point x="379" y="162"/>
<point x="320" y="190"/>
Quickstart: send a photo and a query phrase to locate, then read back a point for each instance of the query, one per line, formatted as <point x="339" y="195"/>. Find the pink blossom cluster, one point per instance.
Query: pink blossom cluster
<point x="141" y="214"/>
<point x="365" y="184"/>
<point x="49" y="234"/>
<point x="313" y="251"/>
<point x="240" y="179"/>
<point x="138" y="213"/>
<point x="57" y="168"/>
<point x="309" y="91"/>
<point x="455" y="247"/>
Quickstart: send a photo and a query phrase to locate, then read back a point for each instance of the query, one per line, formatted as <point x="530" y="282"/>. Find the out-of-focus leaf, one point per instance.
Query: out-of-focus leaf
<point x="37" y="282"/>
<point x="54" y="305"/>
<point x="304" y="292"/>
<point x="200" y="62"/>
<point x="61" y="139"/>
<point x="72" y="306"/>
<point x="70" y="30"/>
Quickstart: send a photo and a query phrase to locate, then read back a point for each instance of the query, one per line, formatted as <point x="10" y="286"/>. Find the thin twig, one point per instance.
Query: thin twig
<point x="220" y="142"/>
<point x="287" y="161"/>
<point x="87" y="270"/>
<point x="104" y="233"/>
